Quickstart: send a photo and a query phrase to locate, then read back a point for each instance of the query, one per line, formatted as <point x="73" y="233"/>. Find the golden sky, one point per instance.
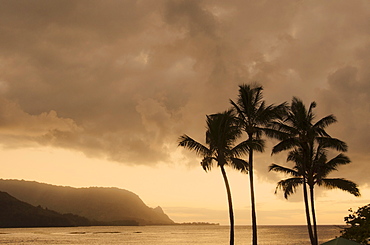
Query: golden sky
<point x="96" y="93"/>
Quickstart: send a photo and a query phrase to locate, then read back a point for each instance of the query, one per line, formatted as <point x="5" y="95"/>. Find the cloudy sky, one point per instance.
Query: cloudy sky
<point x="96" y="93"/>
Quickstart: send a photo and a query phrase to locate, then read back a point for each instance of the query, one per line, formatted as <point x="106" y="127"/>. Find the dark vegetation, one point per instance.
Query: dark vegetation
<point x="15" y="213"/>
<point x="222" y="131"/>
<point x="255" y="118"/>
<point x="103" y="206"/>
<point x="294" y="126"/>
<point x="359" y="225"/>
<point x="308" y="143"/>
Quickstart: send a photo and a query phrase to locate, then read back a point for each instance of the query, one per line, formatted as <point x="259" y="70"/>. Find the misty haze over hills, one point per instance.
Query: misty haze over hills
<point x="111" y="205"/>
<point x="15" y="213"/>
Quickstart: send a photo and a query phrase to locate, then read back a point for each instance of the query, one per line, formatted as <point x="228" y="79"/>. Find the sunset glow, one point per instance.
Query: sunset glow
<point x="97" y="94"/>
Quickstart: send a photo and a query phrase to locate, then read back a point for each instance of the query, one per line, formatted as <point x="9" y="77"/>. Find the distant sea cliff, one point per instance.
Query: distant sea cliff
<point x="91" y="206"/>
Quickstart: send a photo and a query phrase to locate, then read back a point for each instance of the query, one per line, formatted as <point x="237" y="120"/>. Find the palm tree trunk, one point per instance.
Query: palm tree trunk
<point x="231" y="212"/>
<point x="313" y="214"/>
<point x="312" y="197"/>
<point x="253" y="202"/>
<point x="308" y="218"/>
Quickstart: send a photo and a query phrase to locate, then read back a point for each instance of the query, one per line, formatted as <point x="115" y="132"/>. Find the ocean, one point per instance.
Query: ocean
<point x="162" y="235"/>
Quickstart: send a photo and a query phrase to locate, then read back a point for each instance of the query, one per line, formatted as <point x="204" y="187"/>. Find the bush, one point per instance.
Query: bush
<point x="359" y="225"/>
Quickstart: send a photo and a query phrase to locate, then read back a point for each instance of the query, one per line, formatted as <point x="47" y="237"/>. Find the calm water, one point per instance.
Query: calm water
<point x="160" y="235"/>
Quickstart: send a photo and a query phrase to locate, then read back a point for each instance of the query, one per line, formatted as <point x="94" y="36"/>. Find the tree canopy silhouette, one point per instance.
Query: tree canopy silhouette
<point x="255" y="116"/>
<point x="359" y="225"/>
<point x="222" y="131"/>
<point x="308" y="142"/>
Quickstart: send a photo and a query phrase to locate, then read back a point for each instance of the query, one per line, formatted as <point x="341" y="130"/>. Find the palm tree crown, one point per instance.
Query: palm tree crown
<point x="317" y="175"/>
<point x="308" y="143"/>
<point x="253" y="111"/>
<point x="222" y="131"/>
<point x="299" y="130"/>
<point x="254" y="116"/>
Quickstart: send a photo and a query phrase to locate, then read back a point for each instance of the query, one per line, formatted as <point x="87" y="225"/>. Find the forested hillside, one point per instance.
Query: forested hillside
<point x="112" y="205"/>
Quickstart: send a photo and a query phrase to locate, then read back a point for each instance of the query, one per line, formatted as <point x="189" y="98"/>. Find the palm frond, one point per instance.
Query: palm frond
<point x="325" y="121"/>
<point x="267" y="114"/>
<point x="340" y="159"/>
<point x="332" y="143"/>
<point x="310" y="109"/>
<point x="222" y="130"/>
<point x="190" y="144"/>
<point x="248" y="95"/>
<point x="296" y="156"/>
<point x="285" y="145"/>
<point x="240" y="149"/>
<point x="281" y="110"/>
<point x="240" y="165"/>
<point x="257" y="144"/>
<point x="325" y="167"/>
<point x="289" y="186"/>
<point x="340" y="183"/>
<point x="285" y="170"/>
<point x="275" y="134"/>
<point x="207" y="163"/>
<point x="238" y="110"/>
<point x="299" y="117"/>
<point x="257" y="95"/>
<point x="282" y="126"/>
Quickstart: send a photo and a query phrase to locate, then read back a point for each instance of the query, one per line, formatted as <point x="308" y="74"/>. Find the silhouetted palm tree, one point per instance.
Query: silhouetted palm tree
<point x="222" y="131"/>
<point x="255" y="115"/>
<point x="298" y="132"/>
<point x="313" y="175"/>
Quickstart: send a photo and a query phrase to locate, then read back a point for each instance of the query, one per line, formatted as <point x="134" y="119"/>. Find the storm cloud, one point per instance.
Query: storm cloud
<point x="122" y="80"/>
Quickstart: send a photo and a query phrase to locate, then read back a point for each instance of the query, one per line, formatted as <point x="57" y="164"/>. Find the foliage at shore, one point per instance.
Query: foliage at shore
<point x="359" y="225"/>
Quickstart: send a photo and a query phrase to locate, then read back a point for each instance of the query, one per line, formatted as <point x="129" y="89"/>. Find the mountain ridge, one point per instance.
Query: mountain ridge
<point x="105" y="204"/>
<point x="15" y="213"/>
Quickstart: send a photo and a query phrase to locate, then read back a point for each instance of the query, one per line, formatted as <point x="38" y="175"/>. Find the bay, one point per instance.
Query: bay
<point x="162" y="235"/>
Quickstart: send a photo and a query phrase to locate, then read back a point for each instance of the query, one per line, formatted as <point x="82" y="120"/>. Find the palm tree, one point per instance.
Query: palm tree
<point x="316" y="175"/>
<point x="254" y="116"/>
<point x="299" y="132"/>
<point x="222" y="131"/>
